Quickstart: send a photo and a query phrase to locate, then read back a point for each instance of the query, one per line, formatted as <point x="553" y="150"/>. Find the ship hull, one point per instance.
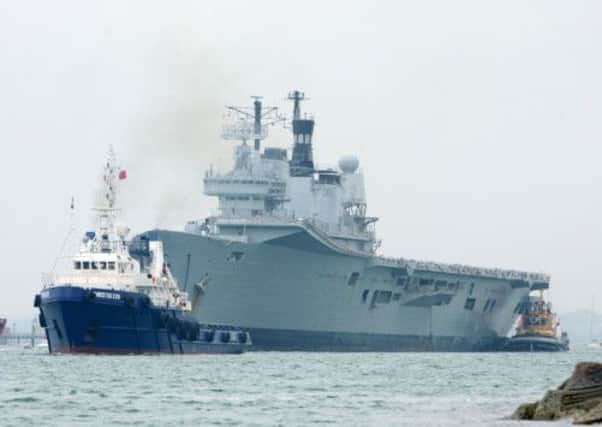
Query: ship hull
<point x="294" y="340"/>
<point x="98" y="321"/>
<point x="294" y="294"/>
<point x="526" y="343"/>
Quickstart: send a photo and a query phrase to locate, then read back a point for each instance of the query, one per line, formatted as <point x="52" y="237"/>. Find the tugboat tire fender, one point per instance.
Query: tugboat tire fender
<point x="209" y="335"/>
<point x="42" y="320"/>
<point x="90" y="296"/>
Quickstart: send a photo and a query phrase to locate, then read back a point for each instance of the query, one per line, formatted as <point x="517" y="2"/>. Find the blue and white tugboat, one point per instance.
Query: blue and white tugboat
<point x="109" y="302"/>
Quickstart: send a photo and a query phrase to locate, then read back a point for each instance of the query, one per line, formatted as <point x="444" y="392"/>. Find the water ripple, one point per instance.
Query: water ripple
<point x="288" y="389"/>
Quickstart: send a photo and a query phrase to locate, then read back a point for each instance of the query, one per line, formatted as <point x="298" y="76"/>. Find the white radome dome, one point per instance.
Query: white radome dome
<point x="349" y="164"/>
<point x="122" y="231"/>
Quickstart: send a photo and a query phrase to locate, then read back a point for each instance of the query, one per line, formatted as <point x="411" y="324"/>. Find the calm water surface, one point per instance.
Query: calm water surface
<point x="288" y="389"/>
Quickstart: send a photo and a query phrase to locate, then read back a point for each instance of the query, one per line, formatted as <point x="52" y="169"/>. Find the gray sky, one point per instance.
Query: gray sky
<point x="477" y="123"/>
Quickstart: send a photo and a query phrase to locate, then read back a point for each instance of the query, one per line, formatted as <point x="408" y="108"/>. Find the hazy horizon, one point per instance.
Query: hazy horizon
<point x="477" y="125"/>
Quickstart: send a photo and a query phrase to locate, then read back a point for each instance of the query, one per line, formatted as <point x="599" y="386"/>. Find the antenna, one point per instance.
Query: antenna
<point x="296" y="97"/>
<point x="110" y="178"/>
<point x="248" y="123"/>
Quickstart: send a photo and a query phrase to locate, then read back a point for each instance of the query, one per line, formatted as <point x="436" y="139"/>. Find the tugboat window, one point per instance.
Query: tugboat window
<point x="86" y="265"/>
<point x="94" y="266"/>
<point x="111" y="265"/>
<point x="103" y="265"/>
<point x="77" y="265"/>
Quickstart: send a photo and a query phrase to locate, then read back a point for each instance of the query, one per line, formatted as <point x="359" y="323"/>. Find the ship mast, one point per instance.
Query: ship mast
<point x="250" y="122"/>
<point x="302" y="160"/>
<point x="107" y="213"/>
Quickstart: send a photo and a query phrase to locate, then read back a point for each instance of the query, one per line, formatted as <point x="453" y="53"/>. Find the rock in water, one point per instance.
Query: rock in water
<point x="579" y="397"/>
<point x="586" y="374"/>
<point x="525" y="411"/>
<point x="592" y="416"/>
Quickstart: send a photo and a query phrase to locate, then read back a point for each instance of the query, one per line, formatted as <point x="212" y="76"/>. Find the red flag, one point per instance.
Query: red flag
<point x="123" y="174"/>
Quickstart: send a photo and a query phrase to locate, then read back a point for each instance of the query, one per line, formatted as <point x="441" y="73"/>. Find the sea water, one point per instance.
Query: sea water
<point x="277" y="389"/>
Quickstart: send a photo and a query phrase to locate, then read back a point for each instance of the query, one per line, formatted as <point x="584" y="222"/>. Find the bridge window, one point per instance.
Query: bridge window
<point x="94" y="266"/>
<point x="111" y="265"/>
<point x="77" y="265"/>
<point x="103" y="265"/>
<point x="353" y="278"/>
<point x="469" y="304"/>
<point x="86" y="265"/>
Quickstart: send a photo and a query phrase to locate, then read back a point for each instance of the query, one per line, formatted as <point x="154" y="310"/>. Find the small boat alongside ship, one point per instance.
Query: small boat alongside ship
<point x="108" y="302"/>
<point x="537" y="328"/>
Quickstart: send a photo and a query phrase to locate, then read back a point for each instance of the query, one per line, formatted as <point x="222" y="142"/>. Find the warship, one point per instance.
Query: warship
<point x="291" y="255"/>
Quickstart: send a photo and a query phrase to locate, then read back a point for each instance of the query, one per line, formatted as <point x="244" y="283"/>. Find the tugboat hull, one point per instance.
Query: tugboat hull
<point x="79" y="320"/>
<point x="534" y="343"/>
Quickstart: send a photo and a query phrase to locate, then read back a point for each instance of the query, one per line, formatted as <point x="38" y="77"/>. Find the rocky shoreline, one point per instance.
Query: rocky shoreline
<point x="579" y="398"/>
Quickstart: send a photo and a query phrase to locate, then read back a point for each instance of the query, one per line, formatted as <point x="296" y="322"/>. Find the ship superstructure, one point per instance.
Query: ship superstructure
<point x="291" y="254"/>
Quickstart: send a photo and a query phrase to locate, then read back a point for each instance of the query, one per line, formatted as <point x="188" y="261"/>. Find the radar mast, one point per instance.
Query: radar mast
<point x="246" y="123"/>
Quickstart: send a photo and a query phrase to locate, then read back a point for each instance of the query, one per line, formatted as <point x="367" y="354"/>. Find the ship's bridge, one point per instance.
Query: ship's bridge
<point x="235" y="186"/>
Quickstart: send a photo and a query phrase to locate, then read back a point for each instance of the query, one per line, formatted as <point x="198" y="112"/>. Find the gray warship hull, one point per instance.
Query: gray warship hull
<point x="294" y="292"/>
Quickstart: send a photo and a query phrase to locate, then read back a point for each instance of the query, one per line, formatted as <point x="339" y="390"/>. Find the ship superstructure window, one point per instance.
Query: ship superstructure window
<point x="86" y="265"/>
<point x="400" y="281"/>
<point x="353" y="278"/>
<point x="469" y="304"/>
<point x="103" y="265"/>
<point x="425" y="282"/>
<point x="111" y="265"/>
<point x="486" y="306"/>
<point x="94" y="265"/>
<point x="77" y="265"/>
